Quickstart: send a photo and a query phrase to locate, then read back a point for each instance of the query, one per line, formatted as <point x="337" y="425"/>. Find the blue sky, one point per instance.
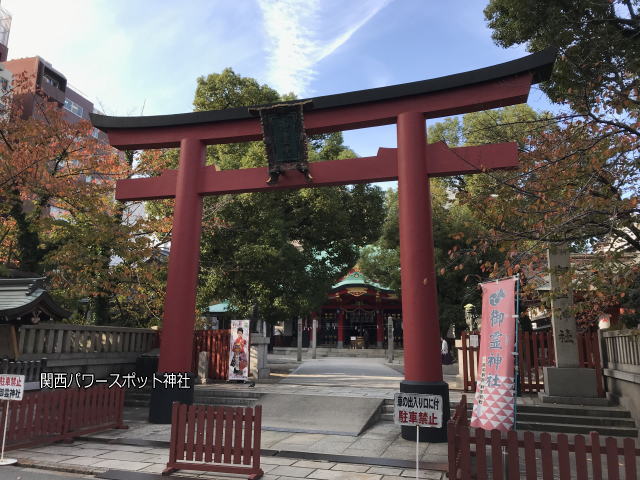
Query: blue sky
<point x="127" y="55"/>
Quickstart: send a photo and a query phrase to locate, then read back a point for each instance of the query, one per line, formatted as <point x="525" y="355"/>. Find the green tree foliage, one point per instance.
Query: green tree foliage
<point x="278" y="251"/>
<point x="596" y="73"/>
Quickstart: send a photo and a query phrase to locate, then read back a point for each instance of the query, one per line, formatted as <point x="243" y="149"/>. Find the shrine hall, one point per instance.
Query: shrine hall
<point x="361" y="306"/>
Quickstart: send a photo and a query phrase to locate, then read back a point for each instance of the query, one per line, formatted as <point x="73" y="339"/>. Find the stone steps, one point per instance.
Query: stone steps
<point x="555" y="418"/>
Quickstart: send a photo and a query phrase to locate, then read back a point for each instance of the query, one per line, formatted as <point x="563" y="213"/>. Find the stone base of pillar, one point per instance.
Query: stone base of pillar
<point x="340" y="344"/>
<point x="435" y="435"/>
<point x="570" y="382"/>
<point x="258" y="356"/>
<point x="379" y="344"/>
<point x="162" y="399"/>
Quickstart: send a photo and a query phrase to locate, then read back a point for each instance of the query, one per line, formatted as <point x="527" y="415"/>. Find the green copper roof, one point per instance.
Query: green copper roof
<point x="356" y="278"/>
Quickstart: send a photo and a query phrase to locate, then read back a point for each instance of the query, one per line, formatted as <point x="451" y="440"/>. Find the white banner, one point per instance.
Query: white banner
<point x="239" y="351"/>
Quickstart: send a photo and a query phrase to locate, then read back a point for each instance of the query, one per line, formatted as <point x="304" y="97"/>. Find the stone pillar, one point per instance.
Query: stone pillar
<point x="341" y="329"/>
<point x="566" y="379"/>
<point x="314" y="336"/>
<point x="421" y="328"/>
<point x="299" y="339"/>
<point x="390" y="341"/>
<point x="258" y="362"/>
<point x="379" y="329"/>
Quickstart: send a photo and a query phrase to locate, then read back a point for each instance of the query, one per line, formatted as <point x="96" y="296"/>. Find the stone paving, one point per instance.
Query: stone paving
<point x="96" y="457"/>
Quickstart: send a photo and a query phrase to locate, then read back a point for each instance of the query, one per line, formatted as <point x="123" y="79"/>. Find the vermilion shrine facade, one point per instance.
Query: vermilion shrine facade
<point x="412" y="163"/>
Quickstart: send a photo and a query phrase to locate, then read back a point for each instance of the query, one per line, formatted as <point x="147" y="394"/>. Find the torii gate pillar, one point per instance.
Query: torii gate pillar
<point x="421" y="328"/>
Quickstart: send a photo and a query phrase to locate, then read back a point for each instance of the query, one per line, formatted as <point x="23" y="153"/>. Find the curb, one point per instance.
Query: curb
<point x="81" y="470"/>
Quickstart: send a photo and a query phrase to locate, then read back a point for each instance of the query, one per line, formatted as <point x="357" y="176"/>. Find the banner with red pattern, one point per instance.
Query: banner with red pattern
<point x="493" y="407"/>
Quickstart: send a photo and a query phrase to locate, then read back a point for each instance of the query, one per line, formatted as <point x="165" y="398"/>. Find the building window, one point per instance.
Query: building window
<point x="51" y="81"/>
<point x="73" y="107"/>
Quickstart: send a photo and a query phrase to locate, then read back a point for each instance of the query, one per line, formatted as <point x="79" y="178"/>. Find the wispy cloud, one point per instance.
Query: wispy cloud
<point x="301" y="33"/>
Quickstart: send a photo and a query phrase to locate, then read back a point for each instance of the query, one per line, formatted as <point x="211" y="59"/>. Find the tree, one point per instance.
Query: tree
<point x="277" y="252"/>
<point x="596" y="73"/>
<point x="58" y="216"/>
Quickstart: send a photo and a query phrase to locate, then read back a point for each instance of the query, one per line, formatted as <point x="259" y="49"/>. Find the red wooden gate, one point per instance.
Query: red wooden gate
<point x="216" y="343"/>
<point x="215" y="439"/>
<point x="48" y="416"/>
<point x="535" y="351"/>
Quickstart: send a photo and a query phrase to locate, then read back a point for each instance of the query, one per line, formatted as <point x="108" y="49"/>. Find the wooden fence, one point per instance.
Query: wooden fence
<point x="66" y="341"/>
<point x="480" y="454"/>
<point x="216" y="343"/>
<point x="215" y="439"/>
<point x="48" y="416"/>
<point x="535" y="351"/>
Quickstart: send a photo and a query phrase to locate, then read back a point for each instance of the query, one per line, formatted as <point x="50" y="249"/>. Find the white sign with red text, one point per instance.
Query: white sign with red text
<point x="418" y="410"/>
<point x="11" y="386"/>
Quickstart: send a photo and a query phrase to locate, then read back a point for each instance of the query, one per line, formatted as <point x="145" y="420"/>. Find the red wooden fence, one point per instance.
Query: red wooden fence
<point x="215" y="439"/>
<point x="535" y="351"/>
<point x="48" y="416"/>
<point x="527" y="457"/>
<point x="216" y="343"/>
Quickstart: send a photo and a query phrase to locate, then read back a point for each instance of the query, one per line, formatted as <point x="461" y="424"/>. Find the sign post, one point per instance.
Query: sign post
<point x="419" y="410"/>
<point x="11" y="389"/>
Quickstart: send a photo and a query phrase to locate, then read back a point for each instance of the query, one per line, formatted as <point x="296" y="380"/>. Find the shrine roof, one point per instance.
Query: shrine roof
<point x="538" y="64"/>
<point x="356" y="278"/>
<point x="19" y="296"/>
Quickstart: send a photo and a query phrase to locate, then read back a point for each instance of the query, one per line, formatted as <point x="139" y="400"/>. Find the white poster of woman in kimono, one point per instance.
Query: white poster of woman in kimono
<point x="239" y="351"/>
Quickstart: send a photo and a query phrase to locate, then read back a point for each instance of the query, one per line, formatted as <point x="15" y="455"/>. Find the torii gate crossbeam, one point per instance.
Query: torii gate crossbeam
<point x="406" y="105"/>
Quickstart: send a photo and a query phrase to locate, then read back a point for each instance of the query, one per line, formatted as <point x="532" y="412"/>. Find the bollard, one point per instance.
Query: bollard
<point x="390" y="342"/>
<point x="314" y="341"/>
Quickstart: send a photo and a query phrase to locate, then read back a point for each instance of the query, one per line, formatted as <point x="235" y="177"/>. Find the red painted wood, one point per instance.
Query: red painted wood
<point x="536" y="363"/>
<point x="433" y="105"/>
<point x="596" y="459"/>
<point x="546" y="456"/>
<point x="452" y="449"/>
<point x="217" y="457"/>
<point x="248" y="433"/>
<point x="257" y="433"/>
<point x="481" y="454"/>
<point x="563" y="457"/>
<point x="513" y="454"/>
<point x="173" y="441"/>
<point x="581" y="457"/>
<point x="465" y="453"/>
<point x="210" y="413"/>
<point x="191" y="430"/>
<point x="200" y="418"/>
<point x="496" y="455"/>
<point x="611" y="446"/>
<point x="182" y="432"/>
<point x="421" y="331"/>
<point x="439" y="160"/>
<point x="237" y="434"/>
<point x="229" y="414"/>
<point x="465" y="363"/>
<point x="180" y="300"/>
<point x="530" y="456"/>
<point x="630" y="470"/>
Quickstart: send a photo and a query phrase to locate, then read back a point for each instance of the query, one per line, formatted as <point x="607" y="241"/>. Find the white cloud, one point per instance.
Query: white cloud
<point x="301" y="33"/>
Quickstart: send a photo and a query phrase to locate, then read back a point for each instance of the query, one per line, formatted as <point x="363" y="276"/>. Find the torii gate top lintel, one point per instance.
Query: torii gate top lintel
<point x="490" y="87"/>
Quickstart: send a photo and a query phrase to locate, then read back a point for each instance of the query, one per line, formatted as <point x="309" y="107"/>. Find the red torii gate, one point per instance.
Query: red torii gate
<point x="407" y="105"/>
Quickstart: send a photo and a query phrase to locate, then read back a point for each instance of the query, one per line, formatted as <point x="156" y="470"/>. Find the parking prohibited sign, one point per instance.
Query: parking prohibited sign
<point x="418" y="410"/>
